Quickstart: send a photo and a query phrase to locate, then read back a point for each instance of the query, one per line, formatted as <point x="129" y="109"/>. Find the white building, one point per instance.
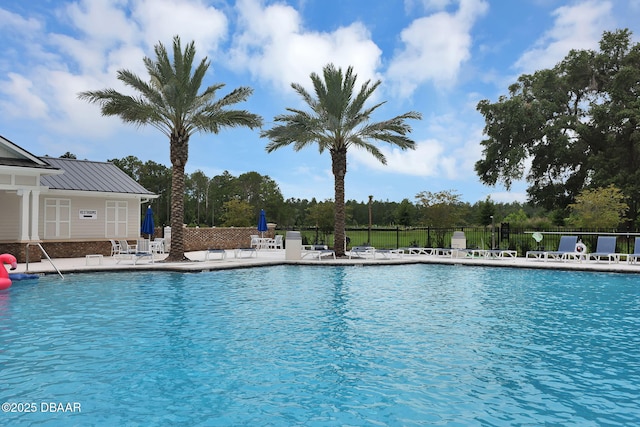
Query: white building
<point x="70" y="206"/>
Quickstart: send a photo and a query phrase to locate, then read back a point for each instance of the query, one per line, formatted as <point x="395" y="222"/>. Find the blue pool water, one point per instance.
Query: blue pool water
<point x="323" y="346"/>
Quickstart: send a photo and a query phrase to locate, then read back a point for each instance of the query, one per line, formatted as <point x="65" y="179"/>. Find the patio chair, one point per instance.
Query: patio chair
<point x="157" y="245"/>
<point x="567" y="245"/>
<point x="605" y="249"/>
<point x="126" y="248"/>
<point x="275" y="243"/>
<point x="115" y="247"/>
<point x="136" y="252"/>
<point x="635" y="256"/>
<point x="255" y="241"/>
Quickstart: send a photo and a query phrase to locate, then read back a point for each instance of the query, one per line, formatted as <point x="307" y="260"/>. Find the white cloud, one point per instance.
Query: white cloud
<point x="16" y="23"/>
<point x="24" y="102"/>
<point x="427" y="5"/>
<point x="112" y="35"/>
<point x="435" y="47"/>
<point x="274" y="46"/>
<point x="191" y="19"/>
<point x="425" y="160"/>
<point x="575" y="27"/>
<point x="103" y="20"/>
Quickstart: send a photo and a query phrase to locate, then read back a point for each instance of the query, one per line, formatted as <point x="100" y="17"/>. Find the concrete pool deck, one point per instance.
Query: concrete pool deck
<point x="216" y="261"/>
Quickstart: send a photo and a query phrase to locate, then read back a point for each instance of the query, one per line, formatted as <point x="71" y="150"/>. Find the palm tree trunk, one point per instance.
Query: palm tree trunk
<point x="179" y="147"/>
<point x="339" y="166"/>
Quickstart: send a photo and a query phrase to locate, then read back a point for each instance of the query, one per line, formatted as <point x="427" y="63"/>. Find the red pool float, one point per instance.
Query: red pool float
<point x="5" y="282"/>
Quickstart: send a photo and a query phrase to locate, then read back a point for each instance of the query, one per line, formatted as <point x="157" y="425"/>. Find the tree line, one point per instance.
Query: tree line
<point x="235" y="201"/>
<point x="230" y="201"/>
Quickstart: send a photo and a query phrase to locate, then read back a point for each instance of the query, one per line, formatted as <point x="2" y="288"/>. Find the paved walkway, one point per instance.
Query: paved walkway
<point x="277" y="257"/>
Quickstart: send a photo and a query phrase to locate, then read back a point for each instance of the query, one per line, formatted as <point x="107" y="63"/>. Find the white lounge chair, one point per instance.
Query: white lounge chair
<point x="605" y="249"/>
<point x="501" y="254"/>
<point x="389" y="253"/>
<point x="635" y="256"/>
<point x="567" y="245"/>
<point x="362" y="252"/>
<point x="418" y="251"/>
<point x="217" y="252"/>
<point x="317" y="252"/>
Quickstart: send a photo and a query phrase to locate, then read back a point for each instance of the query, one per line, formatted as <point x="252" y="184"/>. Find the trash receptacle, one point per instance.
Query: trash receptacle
<point x="458" y="242"/>
<point x="293" y="246"/>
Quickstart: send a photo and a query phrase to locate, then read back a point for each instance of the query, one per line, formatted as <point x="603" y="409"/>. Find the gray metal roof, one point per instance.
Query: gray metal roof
<point x="84" y="175"/>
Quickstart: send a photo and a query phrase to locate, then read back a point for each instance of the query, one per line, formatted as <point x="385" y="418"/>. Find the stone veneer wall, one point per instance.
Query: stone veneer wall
<point x="195" y="239"/>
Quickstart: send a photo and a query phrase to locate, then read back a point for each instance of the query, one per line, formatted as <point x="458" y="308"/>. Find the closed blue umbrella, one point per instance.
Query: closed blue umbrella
<point x="148" y="226"/>
<point x="262" y="222"/>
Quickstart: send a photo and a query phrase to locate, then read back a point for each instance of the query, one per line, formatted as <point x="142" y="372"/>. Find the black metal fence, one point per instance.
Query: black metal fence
<point x="499" y="237"/>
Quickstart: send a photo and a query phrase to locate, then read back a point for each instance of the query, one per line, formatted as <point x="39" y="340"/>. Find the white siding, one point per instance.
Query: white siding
<point x="9" y="216"/>
<point x="98" y="228"/>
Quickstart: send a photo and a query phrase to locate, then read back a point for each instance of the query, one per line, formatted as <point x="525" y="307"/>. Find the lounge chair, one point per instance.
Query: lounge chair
<point x="389" y="253"/>
<point x="317" y="252"/>
<point x="418" y="251"/>
<point x="214" y="251"/>
<point x="566" y="246"/>
<point x="135" y="253"/>
<point x="362" y="252"/>
<point x="605" y="249"/>
<point x="249" y="252"/>
<point x="500" y="254"/>
<point x="635" y="256"/>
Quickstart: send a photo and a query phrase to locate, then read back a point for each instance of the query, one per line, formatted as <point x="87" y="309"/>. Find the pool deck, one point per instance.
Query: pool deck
<point x="216" y="261"/>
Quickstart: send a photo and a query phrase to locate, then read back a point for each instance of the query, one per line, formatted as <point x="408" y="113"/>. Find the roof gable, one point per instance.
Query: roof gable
<point x="85" y="175"/>
<point x="13" y="155"/>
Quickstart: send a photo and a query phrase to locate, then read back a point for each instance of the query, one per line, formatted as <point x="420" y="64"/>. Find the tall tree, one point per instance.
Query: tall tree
<point x="170" y="102"/>
<point x="222" y="190"/>
<point x="196" y="185"/>
<point x="405" y="213"/>
<point x="577" y="125"/>
<point x="338" y="120"/>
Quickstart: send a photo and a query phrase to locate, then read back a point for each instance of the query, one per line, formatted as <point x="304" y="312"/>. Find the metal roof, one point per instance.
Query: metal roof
<point x="85" y="175"/>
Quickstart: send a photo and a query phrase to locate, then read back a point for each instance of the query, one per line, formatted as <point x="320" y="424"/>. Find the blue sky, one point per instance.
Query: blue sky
<point x="438" y="57"/>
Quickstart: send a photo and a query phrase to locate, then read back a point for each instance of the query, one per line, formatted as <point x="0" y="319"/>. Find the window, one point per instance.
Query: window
<point x="116" y="219"/>
<point x="57" y="218"/>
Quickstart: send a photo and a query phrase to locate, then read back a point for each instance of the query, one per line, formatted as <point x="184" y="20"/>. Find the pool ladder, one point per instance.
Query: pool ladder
<point x="45" y="254"/>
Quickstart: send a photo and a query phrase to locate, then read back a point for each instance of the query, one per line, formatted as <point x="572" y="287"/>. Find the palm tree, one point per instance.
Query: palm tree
<point x="337" y="121"/>
<point x="170" y="102"/>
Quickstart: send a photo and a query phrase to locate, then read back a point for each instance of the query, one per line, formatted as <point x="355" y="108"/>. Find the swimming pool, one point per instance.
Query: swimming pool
<point x="316" y="346"/>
